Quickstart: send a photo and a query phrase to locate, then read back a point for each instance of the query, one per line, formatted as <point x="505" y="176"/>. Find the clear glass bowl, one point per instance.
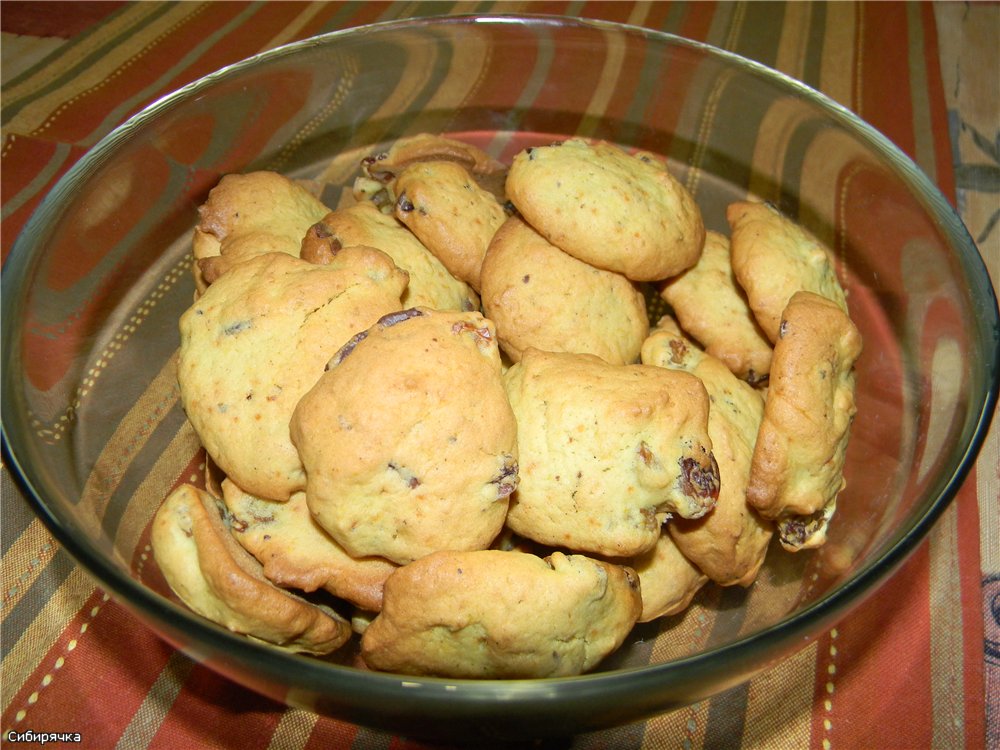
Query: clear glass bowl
<point x="94" y="287"/>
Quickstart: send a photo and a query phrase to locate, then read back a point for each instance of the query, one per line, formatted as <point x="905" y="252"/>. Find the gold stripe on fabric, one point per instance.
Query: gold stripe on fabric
<point x="794" y="39"/>
<point x="837" y="65"/>
<point x="128" y="438"/>
<point x="464" y="75"/>
<point x="36" y="115"/>
<point x="683" y="728"/>
<point x="24" y="562"/>
<point x="776" y="130"/>
<point x="947" y="657"/>
<point x="121" y="25"/>
<point x="688" y="636"/>
<point x="610" y="72"/>
<point x="606" y="84"/>
<point x="23" y="52"/>
<point x="54" y="429"/>
<point x="291" y="29"/>
<point x="823" y="168"/>
<point x="154" y="488"/>
<point x="779" y="704"/>
<point x="735" y="25"/>
<point x="39" y="637"/>
<point x="155" y="706"/>
<point x="704" y="128"/>
<point x="293" y="730"/>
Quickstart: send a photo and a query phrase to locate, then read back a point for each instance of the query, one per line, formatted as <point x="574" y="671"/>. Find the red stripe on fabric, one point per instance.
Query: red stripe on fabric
<point x="23" y="158"/>
<point x="886" y="100"/>
<point x="142" y="76"/>
<point x="882" y="657"/>
<point x="93" y="669"/>
<point x="54" y="18"/>
<point x="210" y="709"/>
<point x="364" y="13"/>
<point x="698" y="20"/>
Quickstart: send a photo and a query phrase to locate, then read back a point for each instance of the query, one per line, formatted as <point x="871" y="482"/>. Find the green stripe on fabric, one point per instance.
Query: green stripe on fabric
<point x="156" y="87"/>
<point x="12" y="106"/>
<point x="30" y="605"/>
<point x="923" y="126"/>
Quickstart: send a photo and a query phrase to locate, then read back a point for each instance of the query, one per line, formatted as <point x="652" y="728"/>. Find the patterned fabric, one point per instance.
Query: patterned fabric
<point x="906" y="670"/>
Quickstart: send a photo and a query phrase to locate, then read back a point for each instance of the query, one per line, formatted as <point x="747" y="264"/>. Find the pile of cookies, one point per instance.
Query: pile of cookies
<point x="443" y="404"/>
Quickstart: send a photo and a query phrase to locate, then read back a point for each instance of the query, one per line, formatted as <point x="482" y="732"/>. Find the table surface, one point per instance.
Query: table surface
<point x="908" y="669"/>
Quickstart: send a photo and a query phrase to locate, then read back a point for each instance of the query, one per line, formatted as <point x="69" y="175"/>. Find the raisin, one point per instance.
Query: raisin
<point x="346" y="349"/>
<point x="404" y="204"/>
<point x="390" y="319"/>
<point x="697" y="481"/>
<point x="506" y="480"/>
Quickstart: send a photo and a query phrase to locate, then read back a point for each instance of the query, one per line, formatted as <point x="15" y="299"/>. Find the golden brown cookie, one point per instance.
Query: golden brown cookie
<point x="377" y="182"/>
<point x="492" y="614"/>
<point x="408" y="440"/>
<point x="730" y="543"/>
<point x="712" y="308"/>
<point x="621" y="212"/>
<point x="431" y="284"/>
<point x="541" y="297"/>
<point x="773" y="258"/>
<point x="247" y="215"/>
<point x="667" y="579"/>
<point x="450" y="214"/>
<point x="798" y="461"/>
<point x="604" y="449"/>
<point x="296" y="552"/>
<point x="257" y="339"/>
<point x="220" y="581"/>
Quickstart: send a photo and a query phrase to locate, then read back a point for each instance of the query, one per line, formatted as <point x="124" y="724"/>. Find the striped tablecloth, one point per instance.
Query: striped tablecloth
<point x="918" y="666"/>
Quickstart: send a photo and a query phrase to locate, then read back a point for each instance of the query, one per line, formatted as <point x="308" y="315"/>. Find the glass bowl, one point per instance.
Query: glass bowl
<point x="94" y="287"/>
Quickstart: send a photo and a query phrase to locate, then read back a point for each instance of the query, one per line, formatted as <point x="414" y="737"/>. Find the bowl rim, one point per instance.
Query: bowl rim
<point x="824" y="611"/>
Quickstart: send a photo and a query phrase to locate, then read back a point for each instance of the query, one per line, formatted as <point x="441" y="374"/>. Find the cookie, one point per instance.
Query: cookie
<point x="491" y="614"/>
<point x="614" y="210"/>
<point x="431" y="284"/>
<point x="377" y="182"/>
<point x="450" y="214"/>
<point x="667" y="579"/>
<point x="798" y="460"/>
<point x="296" y="552"/>
<point x="541" y="297"/>
<point x="712" y="308"/>
<point x="247" y="215"/>
<point x="730" y="543"/>
<point x="220" y="581"/>
<point x="773" y="258"/>
<point x="604" y="449"/>
<point x="259" y="338"/>
<point x="408" y="441"/>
